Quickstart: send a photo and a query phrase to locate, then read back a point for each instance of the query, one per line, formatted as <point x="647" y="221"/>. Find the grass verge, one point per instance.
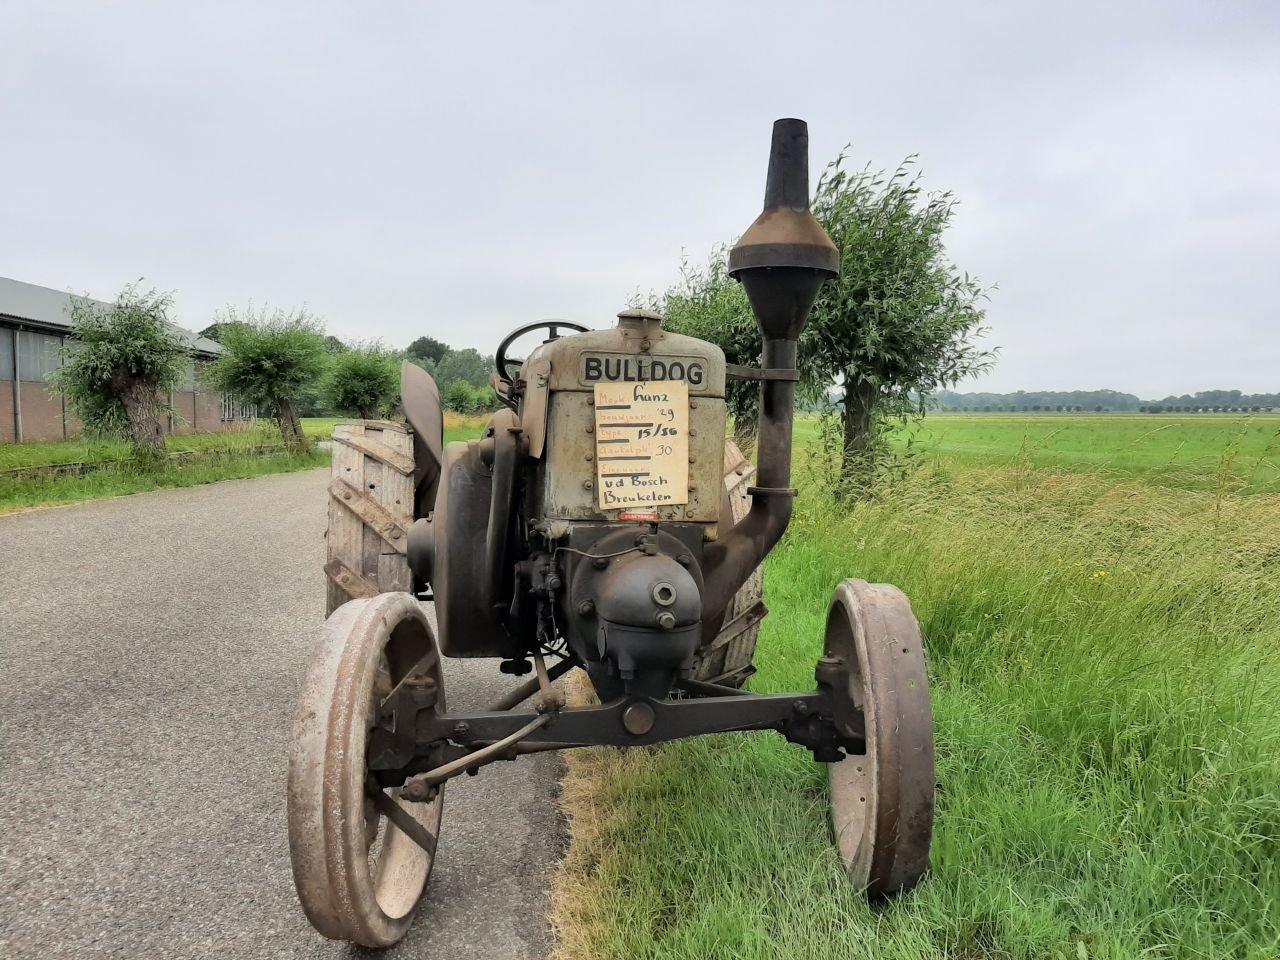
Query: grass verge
<point x="119" y="479"/>
<point x="89" y="450"/>
<point x="1105" y="661"/>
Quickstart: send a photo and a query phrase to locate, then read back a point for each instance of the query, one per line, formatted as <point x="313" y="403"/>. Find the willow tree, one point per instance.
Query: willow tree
<point x="900" y="321"/>
<point x="707" y="303"/>
<point x="272" y="360"/>
<point x="123" y="359"/>
<point x="364" y="380"/>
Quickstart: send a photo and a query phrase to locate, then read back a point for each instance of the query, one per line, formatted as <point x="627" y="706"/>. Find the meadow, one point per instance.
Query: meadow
<point x="1198" y="452"/>
<point x="1100" y="599"/>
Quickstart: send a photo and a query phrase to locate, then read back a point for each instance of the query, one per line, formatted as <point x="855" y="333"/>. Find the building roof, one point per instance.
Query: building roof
<point x="50" y="309"/>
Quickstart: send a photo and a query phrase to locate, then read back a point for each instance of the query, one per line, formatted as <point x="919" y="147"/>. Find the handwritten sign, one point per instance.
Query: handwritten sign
<point x="642" y="443"/>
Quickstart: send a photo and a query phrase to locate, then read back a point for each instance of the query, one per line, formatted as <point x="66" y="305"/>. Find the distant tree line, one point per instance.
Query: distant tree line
<point x="1105" y="401"/>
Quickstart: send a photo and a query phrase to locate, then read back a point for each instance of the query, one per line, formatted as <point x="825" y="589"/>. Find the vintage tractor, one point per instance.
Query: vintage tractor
<point x="598" y="523"/>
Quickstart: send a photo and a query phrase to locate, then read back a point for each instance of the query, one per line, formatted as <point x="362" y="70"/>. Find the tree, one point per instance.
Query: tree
<point x="427" y="348"/>
<point x="458" y="397"/>
<point x="900" y="321"/>
<point x="364" y="380"/>
<point x="272" y="360"/>
<point x="123" y="360"/>
<point x="709" y="304"/>
<point x="468" y="365"/>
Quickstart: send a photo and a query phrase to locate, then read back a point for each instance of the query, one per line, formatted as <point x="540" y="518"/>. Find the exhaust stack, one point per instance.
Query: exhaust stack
<point x="781" y="261"/>
<point x="784" y="256"/>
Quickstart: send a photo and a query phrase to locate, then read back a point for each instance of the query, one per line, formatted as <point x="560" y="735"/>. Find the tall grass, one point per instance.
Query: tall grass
<point x="1105" y="661"/>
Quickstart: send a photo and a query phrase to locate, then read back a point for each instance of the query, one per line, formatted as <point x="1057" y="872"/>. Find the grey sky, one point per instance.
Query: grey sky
<point x="456" y="170"/>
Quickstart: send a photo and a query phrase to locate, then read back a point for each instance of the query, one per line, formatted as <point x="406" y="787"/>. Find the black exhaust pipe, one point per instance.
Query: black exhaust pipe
<point x="781" y="261"/>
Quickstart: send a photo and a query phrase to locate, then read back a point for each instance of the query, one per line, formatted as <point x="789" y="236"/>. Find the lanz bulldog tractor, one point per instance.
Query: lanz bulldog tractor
<point x="600" y="523"/>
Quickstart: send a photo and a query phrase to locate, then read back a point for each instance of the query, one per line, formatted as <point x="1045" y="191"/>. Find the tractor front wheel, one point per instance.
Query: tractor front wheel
<point x="361" y="854"/>
<point x="882" y="802"/>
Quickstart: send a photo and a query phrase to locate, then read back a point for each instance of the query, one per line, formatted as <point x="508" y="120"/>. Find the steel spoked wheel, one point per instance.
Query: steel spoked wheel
<point x="882" y="803"/>
<point x="358" y="873"/>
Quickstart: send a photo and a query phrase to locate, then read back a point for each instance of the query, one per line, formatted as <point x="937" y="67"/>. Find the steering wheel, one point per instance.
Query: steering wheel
<point x="500" y="359"/>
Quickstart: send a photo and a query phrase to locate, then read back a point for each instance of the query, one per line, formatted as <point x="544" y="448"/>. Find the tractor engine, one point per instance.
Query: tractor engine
<point x="610" y="457"/>
<point x="600" y="486"/>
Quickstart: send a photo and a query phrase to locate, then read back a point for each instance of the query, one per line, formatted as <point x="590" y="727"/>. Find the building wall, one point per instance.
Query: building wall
<point x="183" y="412"/>
<point x="43" y="415"/>
<point x="209" y="412"/>
<point x="6" y="409"/>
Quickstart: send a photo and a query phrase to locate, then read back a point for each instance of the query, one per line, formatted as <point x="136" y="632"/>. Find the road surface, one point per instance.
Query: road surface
<point x="150" y="651"/>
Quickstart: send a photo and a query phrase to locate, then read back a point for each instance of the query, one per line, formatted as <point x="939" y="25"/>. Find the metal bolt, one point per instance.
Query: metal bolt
<point x="461" y="728"/>
<point x="800" y="707"/>
<point x="591" y="401"/>
<point x="645" y="344"/>
<point x="586" y="608"/>
<point x="666" y="620"/>
<point x="692" y="434"/>
<point x="589" y="458"/>
<point x="684" y="559"/>
<point x="554" y="582"/>
<point x="587" y="485"/>
<point x="637" y="719"/>
<point x="664" y="594"/>
<point x="599" y="563"/>
<point x="693" y="404"/>
<point x="692" y="458"/>
<point x="590" y="428"/>
<point x="395" y="534"/>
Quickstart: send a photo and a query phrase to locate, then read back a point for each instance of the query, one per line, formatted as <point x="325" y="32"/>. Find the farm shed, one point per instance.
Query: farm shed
<point x="35" y="324"/>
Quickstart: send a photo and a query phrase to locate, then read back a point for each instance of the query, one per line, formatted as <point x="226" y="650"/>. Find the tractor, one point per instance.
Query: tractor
<point x="602" y="522"/>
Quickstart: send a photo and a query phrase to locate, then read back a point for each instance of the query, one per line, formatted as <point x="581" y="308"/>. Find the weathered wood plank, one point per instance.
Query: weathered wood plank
<point x="373" y="514"/>
<point x="346" y="531"/>
<point x="393" y="492"/>
<point x="401" y="463"/>
<point x="351" y="583"/>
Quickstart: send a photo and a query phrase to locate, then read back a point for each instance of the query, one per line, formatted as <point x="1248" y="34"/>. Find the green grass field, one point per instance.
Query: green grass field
<point x="1104" y="639"/>
<point x="1201" y="452"/>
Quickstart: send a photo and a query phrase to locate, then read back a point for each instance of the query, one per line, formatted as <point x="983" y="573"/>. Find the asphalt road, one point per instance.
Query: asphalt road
<point x="150" y="651"/>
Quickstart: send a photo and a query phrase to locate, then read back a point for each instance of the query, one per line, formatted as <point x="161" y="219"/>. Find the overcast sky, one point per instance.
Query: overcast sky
<point x="458" y="169"/>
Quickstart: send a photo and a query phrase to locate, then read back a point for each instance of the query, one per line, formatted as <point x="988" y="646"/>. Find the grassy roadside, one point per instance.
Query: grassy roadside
<point x="90" y="450"/>
<point x="1106" y="668"/>
<point x="121" y="479"/>
<point x="232" y="455"/>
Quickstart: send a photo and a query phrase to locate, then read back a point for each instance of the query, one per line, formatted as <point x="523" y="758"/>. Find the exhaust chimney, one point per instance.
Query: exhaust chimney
<point x="784" y="256"/>
<point x="781" y="261"/>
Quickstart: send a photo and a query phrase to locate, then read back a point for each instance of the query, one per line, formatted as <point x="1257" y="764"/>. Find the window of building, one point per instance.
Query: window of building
<point x="39" y="355"/>
<point x="233" y="409"/>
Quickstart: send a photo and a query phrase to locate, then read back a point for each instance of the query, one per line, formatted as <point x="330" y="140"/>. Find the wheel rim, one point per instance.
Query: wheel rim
<point x="359" y="876"/>
<point x="882" y="802"/>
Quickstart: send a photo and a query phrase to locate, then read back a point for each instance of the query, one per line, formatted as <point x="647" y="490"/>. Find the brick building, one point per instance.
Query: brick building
<point x="35" y="323"/>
